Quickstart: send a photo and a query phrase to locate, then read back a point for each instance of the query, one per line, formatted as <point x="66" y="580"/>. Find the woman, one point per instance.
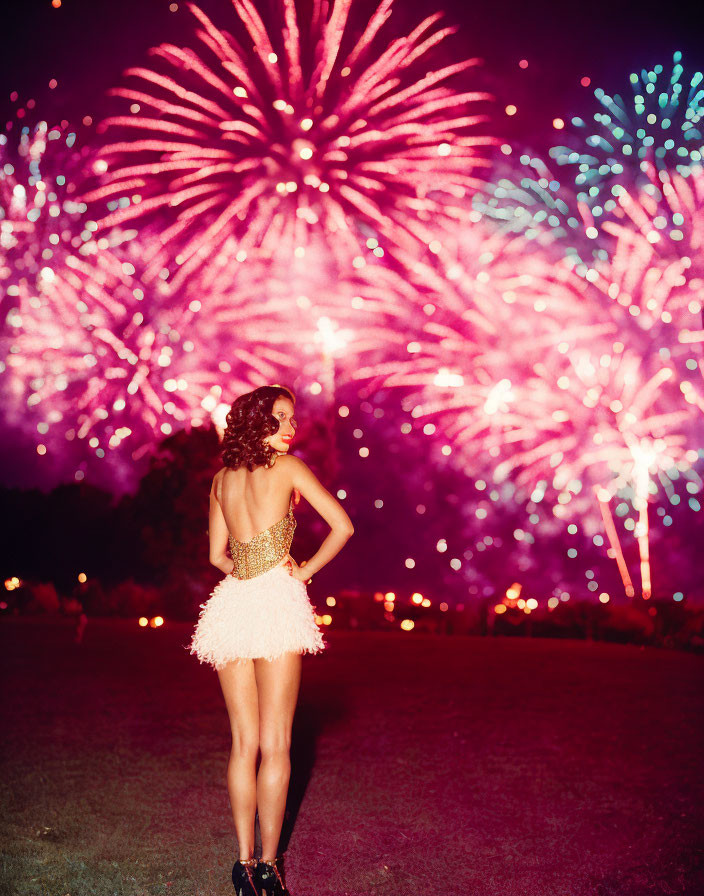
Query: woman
<point x="259" y="620"/>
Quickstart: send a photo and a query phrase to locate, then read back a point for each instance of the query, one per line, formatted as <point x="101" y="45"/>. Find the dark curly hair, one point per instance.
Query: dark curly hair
<point x="249" y="421"/>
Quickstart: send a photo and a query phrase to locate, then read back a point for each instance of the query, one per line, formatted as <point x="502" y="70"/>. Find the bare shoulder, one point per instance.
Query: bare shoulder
<point x="290" y="463"/>
<point x="220" y="473"/>
<point x="217" y="481"/>
<point x="292" y="468"/>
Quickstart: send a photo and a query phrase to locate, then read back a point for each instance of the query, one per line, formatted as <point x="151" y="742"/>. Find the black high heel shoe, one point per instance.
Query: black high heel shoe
<point x="244" y="877"/>
<point x="270" y="878"/>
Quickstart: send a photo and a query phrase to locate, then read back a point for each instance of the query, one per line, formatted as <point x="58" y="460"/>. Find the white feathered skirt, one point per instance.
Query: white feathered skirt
<point x="265" y="616"/>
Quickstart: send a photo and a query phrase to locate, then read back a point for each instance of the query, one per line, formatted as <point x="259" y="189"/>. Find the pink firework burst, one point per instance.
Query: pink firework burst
<point x="319" y="127"/>
<point x="667" y="211"/>
<point x="562" y="384"/>
<point x="589" y="417"/>
<point x="496" y="311"/>
<point x="476" y="293"/>
<point x="602" y="423"/>
<point x="89" y="357"/>
<point x="296" y="321"/>
<point x="41" y="217"/>
<point x="653" y="294"/>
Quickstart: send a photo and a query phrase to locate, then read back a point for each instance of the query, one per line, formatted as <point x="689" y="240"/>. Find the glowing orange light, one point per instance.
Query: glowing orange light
<point x="443" y="607"/>
<point x="11" y="584"/>
<point x="330" y="601"/>
<point x="499" y="609"/>
<point x="389" y="595"/>
<point x="426" y="602"/>
<point x="510" y="110"/>
<point x="388" y="606"/>
<point x="56" y="3"/>
<point x="514" y="592"/>
<point x="378" y="596"/>
<point x="407" y="624"/>
<point x="327" y="619"/>
<point x="417" y="598"/>
<point x="558" y="123"/>
<point x="82" y="577"/>
<point x="157" y="621"/>
<point x="143" y="621"/>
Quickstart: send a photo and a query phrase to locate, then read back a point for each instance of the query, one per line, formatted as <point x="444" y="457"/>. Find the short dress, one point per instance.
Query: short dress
<point x="258" y="610"/>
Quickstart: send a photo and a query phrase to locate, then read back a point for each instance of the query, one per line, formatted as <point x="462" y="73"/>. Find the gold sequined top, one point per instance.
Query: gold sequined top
<point x="262" y="553"/>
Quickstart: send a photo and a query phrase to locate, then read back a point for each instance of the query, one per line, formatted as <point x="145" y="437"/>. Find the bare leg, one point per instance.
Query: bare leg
<point x="277" y="684"/>
<point x="239" y="688"/>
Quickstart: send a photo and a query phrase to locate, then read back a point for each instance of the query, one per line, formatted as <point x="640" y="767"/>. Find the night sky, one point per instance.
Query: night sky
<point x="86" y="44"/>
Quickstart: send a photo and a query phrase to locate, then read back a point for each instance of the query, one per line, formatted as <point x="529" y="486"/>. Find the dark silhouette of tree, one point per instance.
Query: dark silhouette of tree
<point x="53" y="537"/>
<point x="167" y="519"/>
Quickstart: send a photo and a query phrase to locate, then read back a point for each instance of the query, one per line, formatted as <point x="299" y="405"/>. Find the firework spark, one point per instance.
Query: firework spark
<point x="296" y="136"/>
<point x="663" y="126"/>
<point x="90" y="357"/>
<point x="558" y="382"/>
<point x="667" y="210"/>
<point x="528" y="197"/>
<point x="297" y="320"/>
<point x="41" y="218"/>
<point x="474" y="293"/>
<point x="638" y="162"/>
<point x="654" y="296"/>
<point x="607" y="425"/>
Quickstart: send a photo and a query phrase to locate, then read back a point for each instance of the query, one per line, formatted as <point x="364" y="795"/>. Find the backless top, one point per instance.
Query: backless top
<point x="262" y="552"/>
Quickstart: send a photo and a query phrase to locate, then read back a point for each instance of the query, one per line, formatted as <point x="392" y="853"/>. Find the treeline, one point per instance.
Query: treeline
<point x="156" y="536"/>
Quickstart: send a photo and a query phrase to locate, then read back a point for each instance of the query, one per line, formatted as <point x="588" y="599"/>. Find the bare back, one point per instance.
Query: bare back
<point x="252" y="501"/>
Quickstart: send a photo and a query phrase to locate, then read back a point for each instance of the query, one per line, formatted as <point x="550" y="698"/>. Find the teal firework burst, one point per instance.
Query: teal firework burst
<point x="530" y="197"/>
<point x="663" y="125"/>
<point x="626" y="157"/>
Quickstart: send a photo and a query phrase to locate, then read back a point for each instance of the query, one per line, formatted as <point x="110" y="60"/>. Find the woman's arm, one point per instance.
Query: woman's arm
<point x="217" y="533"/>
<point x="341" y="528"/>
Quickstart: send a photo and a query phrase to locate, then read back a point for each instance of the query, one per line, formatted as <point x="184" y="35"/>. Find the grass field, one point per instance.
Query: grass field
<point x="421" y="765"/>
